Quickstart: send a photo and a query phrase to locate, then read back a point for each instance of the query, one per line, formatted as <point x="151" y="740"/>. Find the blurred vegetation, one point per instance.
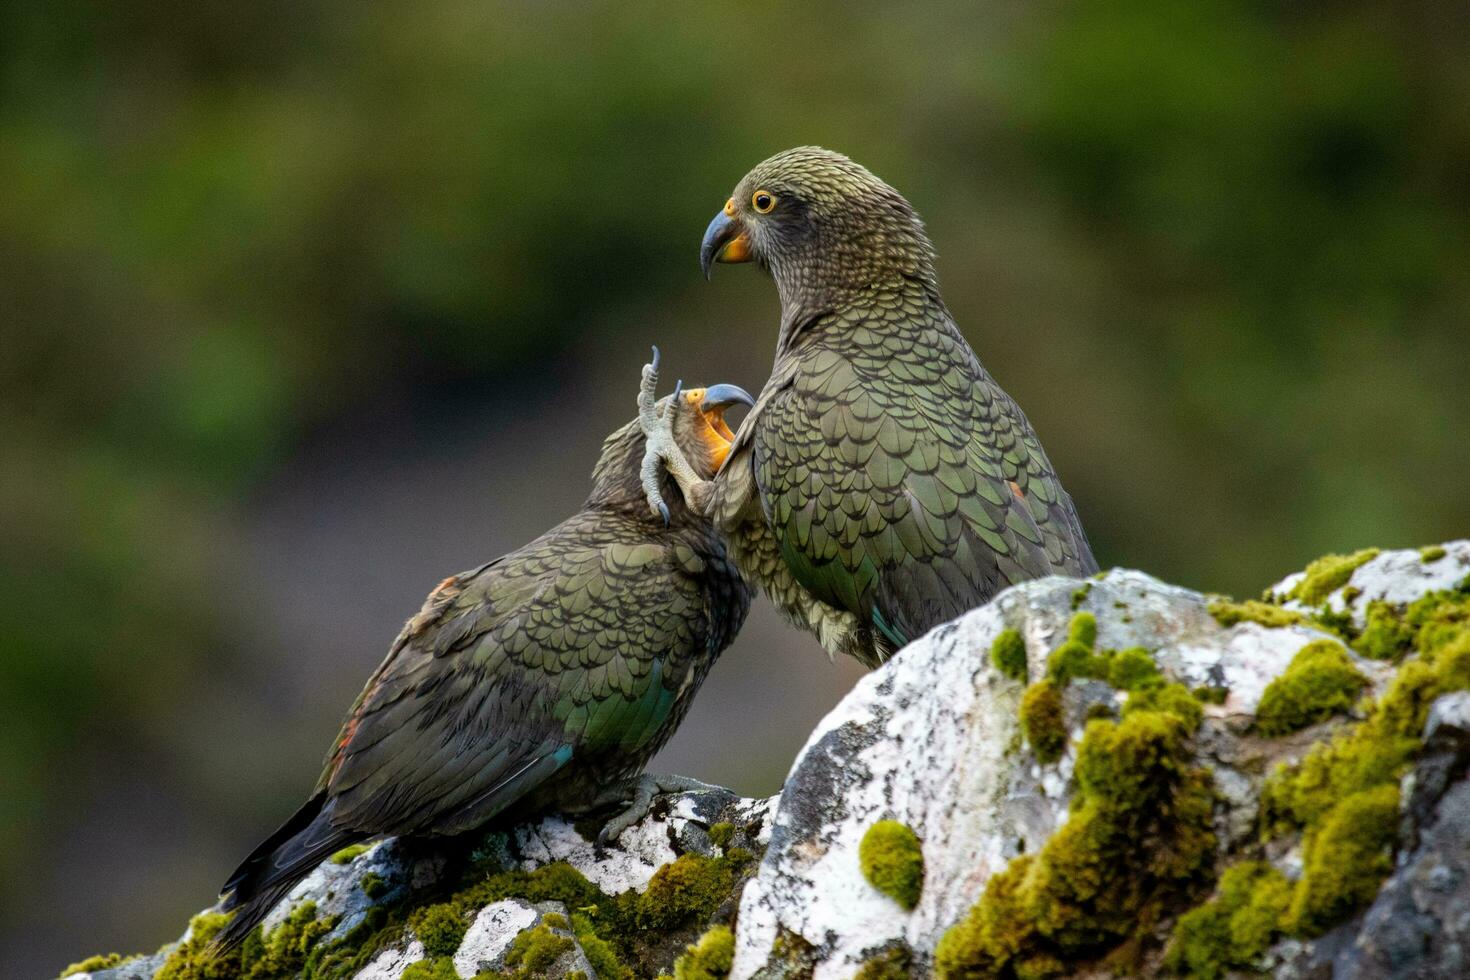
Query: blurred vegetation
<point x="1218" y="250"/>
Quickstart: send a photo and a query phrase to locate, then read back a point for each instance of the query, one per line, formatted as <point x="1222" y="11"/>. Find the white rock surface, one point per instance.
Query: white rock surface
<point x="933" y="740"/>
<point x="1398" y="577"/>
<point x="390" y="963"/>
<point x="490" y="935"/>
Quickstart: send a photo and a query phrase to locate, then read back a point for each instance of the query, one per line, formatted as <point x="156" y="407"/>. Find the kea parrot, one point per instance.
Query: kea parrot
<point x="545" y="678"/>
<point x="883" y="483"/>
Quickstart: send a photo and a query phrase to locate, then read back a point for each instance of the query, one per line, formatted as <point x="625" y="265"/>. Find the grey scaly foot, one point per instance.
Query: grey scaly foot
<point x="660" y="450"/>
<point x="639" y="794"/>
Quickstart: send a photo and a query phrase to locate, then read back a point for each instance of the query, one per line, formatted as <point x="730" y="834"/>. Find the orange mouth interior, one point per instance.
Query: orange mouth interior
<point x="714" y="433"/>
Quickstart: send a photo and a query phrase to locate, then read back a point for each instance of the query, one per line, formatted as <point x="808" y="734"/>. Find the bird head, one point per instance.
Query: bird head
<point x="819" y="222"/>
<point x="699" y="429"/>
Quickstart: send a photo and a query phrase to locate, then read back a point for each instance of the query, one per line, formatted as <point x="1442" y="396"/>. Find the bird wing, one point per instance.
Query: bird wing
<point x="571" y="647"/>
<point x="902" y="483"/>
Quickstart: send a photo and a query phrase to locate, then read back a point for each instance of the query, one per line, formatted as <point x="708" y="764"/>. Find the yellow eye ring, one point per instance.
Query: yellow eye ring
<point x="764" y="202"/>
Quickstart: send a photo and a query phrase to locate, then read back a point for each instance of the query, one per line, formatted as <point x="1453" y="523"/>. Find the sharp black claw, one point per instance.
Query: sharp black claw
<point x="654" y="364"/>
<point x="663" y="509"/>
<point x="678" y="387"/>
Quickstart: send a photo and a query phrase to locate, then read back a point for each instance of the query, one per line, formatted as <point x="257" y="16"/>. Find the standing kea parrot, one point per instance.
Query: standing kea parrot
<point x="883" y="483"/>
<point x="547" y="677"/>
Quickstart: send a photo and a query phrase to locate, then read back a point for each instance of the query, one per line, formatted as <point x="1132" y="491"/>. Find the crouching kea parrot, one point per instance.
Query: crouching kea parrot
<point x="883" y="483"/>
<point x="545" y="678"/>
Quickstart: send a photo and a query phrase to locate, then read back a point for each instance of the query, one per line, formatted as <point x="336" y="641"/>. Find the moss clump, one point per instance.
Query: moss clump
<point x="102" y="961"/>
<point x="1211" y="695"/>
<point x="1138" y="835"/>
<point x="600" y="953"/>
<point x="893" y="861"/>
<point x="440" y="928"/>
<point x="1431" y="554"/>
<point x="1234" y="928"/>
<point x="1385" y="635"/>
<point x="439" y="968"/>
<point x="1328" y="574"/>
<point x="372" y="884"/>
<point x="721" y="834"/>
<point x="1043" y="721"/>
<point x="348" y="854"/>
<point x="1008" y="654"/>
<point x="687" y="889"/>
<point x="1131" y="669"/>
<point x="1228" y="613"/>
<point x="1173" y="699"/>
<point x="1343" y="794"/>
<point x="708" y="959"/>
<point x="1320" y="682"/>
<point x="536" y="950"/>
<point x="1083" y="629"/>
<point x="283" y="953"/>
<point x="1080" y="595"/>
<point x="1345" y="859"/>
<point x="891" y="964"/>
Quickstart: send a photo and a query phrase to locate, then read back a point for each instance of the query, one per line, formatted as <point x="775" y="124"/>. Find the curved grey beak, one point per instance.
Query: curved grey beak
<point x="725" y="240"/>
<point x="723" y="396"/>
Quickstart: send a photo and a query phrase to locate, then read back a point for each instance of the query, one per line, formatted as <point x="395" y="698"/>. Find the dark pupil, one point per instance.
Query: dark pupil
<point x="763" y="201"/>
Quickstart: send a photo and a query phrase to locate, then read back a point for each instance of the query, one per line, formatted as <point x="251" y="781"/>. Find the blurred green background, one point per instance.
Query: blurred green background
<point x="308" y="304"/>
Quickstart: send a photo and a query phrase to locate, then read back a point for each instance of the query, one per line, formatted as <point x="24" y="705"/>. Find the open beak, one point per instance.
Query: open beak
<point x="721" y="397"/>
<point x="725" y="240"/>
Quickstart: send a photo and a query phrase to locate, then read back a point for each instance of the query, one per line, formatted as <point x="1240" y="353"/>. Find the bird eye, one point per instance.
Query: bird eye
<point x="763" y="201"/>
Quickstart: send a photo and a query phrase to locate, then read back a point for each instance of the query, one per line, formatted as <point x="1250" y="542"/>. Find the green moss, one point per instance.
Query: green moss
<point x="534" y="951"/>
<point x="1345" y="859"/>
<point x="1131" y="669"/>
<point x="893" y="861"/>
<point x="1043" y="721"/>
<point x="1385" y="635"/>
<point x="102" y="961"/>
<point x="1228" y="613"/>
<point x="600" y="953"/>
<point x="347" y="854"/>
<point x="1008" y="654"/>
<point x="1072" y="660"/>
<point x="1343" y="795"/>
<point x="1234" y="928"/>
<point x="1431" y="554"/>
<point x="1328" y="574"/>
<point x="1211" y="695"/>
<point x="687" y="889"/>
<point x="372" y="884"/>
<point x="721" y="834"/>
<point x="894" y="963"/>
<point x="1080" y="595"/>
<point x="282" y="953"/>
<point x="1173" y="699"/>
<point x="1083" y="629"/>
<point x="440" y="928"/>
<point x="1320" y="682"/>
<point x="708" y="959"/>
<point x="439" y="968"/>
<point x="1139" y="835"/>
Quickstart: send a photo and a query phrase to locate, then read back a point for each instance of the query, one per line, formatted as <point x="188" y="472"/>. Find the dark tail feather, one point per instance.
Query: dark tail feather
<point x="274" y="868"/>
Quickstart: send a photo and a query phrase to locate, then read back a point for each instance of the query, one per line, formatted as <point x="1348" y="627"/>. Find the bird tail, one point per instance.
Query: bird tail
<point x="274" y="868"/>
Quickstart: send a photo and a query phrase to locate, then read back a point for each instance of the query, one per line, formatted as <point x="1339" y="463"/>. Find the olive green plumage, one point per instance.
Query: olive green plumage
<point x="883" y="483"/>
<point x="542" y="678"/>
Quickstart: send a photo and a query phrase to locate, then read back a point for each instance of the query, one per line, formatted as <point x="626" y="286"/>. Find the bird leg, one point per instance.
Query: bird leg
<point x="661" y="451"/>
<point x="638" y="794"/>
